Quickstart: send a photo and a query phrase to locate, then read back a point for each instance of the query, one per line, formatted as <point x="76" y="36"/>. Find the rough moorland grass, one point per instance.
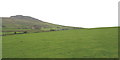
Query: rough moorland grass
<point x="81" y="43"/>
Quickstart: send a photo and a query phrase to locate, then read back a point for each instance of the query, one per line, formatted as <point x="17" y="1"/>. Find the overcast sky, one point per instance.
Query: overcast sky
<point x="79" y="13"/>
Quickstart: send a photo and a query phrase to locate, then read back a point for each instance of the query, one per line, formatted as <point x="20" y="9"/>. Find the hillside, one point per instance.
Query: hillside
<point x="80" y="43"/>
<point x="20" y="22"/>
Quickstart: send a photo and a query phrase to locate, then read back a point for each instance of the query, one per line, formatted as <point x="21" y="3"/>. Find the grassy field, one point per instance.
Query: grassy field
<point x="80" y="43"/>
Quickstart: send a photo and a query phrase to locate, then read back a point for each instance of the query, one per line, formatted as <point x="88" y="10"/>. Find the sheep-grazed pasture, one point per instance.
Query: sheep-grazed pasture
<point x="79" y="43"/>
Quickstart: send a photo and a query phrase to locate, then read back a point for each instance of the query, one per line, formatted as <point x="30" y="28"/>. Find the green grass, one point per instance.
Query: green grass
<point x="80" y="43"/>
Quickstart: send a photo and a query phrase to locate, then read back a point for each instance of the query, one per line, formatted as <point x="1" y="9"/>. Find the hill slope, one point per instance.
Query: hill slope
<point x="80" y="43"/>
<point x="25" y="22"/>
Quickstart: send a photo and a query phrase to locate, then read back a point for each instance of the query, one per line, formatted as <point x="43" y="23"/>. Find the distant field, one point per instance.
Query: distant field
<point x="79" y="43"/>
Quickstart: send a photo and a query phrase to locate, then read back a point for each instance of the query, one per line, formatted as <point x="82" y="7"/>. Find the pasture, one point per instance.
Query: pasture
<point x="78" y="43"/>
